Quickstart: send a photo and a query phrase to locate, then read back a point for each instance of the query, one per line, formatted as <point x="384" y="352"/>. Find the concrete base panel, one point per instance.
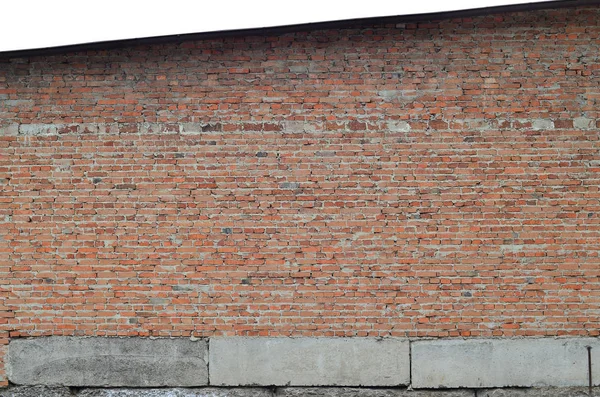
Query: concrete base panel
<point x="356" y="392"/>
<point x="541" y="392"/>
<point x="486" y="363"/>
<point x="204" y="392"/>
<point x="132" y="362"/>
<point x="309" y="362"/>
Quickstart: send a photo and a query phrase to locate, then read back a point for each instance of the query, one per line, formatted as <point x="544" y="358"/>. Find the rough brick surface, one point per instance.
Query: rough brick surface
<point x="439" y="179"/>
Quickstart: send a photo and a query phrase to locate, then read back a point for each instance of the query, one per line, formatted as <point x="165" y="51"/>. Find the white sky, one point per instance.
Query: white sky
<point x="28" y="24"/>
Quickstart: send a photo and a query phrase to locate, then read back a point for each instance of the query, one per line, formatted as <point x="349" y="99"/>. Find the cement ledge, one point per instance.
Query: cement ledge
<point x="441" y="364"/>
<point x="131" y="362"/>
<point x="486" y="363"/>
<point x="197" y="130"/>
<point x="309" y="361"/>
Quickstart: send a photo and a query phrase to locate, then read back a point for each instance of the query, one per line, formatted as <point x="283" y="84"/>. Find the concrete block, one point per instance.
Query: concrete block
<point x="583" y="123"/>
<point x="542" y="124"/>
<point x="399" y="126"/>
<point x="389" y="95"/>
<point x="309" y="361"/>
<point x="203" y="392"/>
<point x="132" y="362"/>
<point x="38" y="129"/>
<point x="9" y="130"/>
<point x="487" y="363"/>
<point x="475" y="124"/>
<point x="536" y="392"/>
<point x="298" y="69"/>
<point x="299" y="127"/>
<point x="362" y="392"/>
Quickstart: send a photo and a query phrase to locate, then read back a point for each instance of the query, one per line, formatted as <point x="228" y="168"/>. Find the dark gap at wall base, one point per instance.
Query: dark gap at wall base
<point x="45" y="391"/>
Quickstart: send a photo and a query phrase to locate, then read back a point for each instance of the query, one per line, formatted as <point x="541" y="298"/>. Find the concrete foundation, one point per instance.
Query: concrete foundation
<point x="352" y="365"/>
<point x="359" y="392"/>
<point x="204" y="392"/>
<point x="537" y="392"/>
<point x="133" y="362"/>
<point x="309" y="362"/>
<point x="482" y="363"/>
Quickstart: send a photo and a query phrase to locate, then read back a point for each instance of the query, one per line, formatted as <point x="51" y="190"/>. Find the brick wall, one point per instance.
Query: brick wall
<point x="421" y="180"/>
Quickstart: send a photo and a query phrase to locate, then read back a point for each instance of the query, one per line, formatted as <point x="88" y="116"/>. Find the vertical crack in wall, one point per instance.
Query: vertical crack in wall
<point x="207" y="356"/>
<point x="590" y="374"/>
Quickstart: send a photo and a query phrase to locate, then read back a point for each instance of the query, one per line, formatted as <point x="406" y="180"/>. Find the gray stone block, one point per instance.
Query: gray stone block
<point x="583" y="123"/>
<point x="294" y="127"/>
<point x="299" y="127"/>
<point x="487" y="363"/>
<point x="9" y="130"/>
<point x="36" y="391"/>
<point x="38" y="129"/>
<point x="535" y="392"/>
<point x="398" y="126"/>
<point x="298" y="69"/>
<point x="360" y="392"/>
<point x="542" y="124"/>
<point x="309" y="361"/>
<point x="389" y="95"/>
<point x="133" y="362"/>
<point x="203" y="392"/>
<point x="191" y="128"/>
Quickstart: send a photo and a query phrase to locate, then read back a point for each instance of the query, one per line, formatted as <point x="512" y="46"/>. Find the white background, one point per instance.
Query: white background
<point x="45" y="23"/>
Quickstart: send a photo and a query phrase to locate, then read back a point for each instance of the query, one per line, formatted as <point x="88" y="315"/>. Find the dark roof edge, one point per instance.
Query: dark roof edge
<point x="113" y="44"/>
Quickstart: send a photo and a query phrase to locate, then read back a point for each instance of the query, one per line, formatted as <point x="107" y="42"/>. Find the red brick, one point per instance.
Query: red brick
<point x="150" y="213"/>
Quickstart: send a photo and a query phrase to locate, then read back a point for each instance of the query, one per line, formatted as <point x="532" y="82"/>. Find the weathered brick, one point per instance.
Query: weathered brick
<point x="423" y="181"/>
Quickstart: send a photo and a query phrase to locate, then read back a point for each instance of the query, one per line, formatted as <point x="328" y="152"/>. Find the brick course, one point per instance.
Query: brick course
<point x="418" y="180"/>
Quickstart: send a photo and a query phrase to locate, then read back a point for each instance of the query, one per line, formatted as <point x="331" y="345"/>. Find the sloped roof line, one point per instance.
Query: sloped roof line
<point x="337" y="24"/>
